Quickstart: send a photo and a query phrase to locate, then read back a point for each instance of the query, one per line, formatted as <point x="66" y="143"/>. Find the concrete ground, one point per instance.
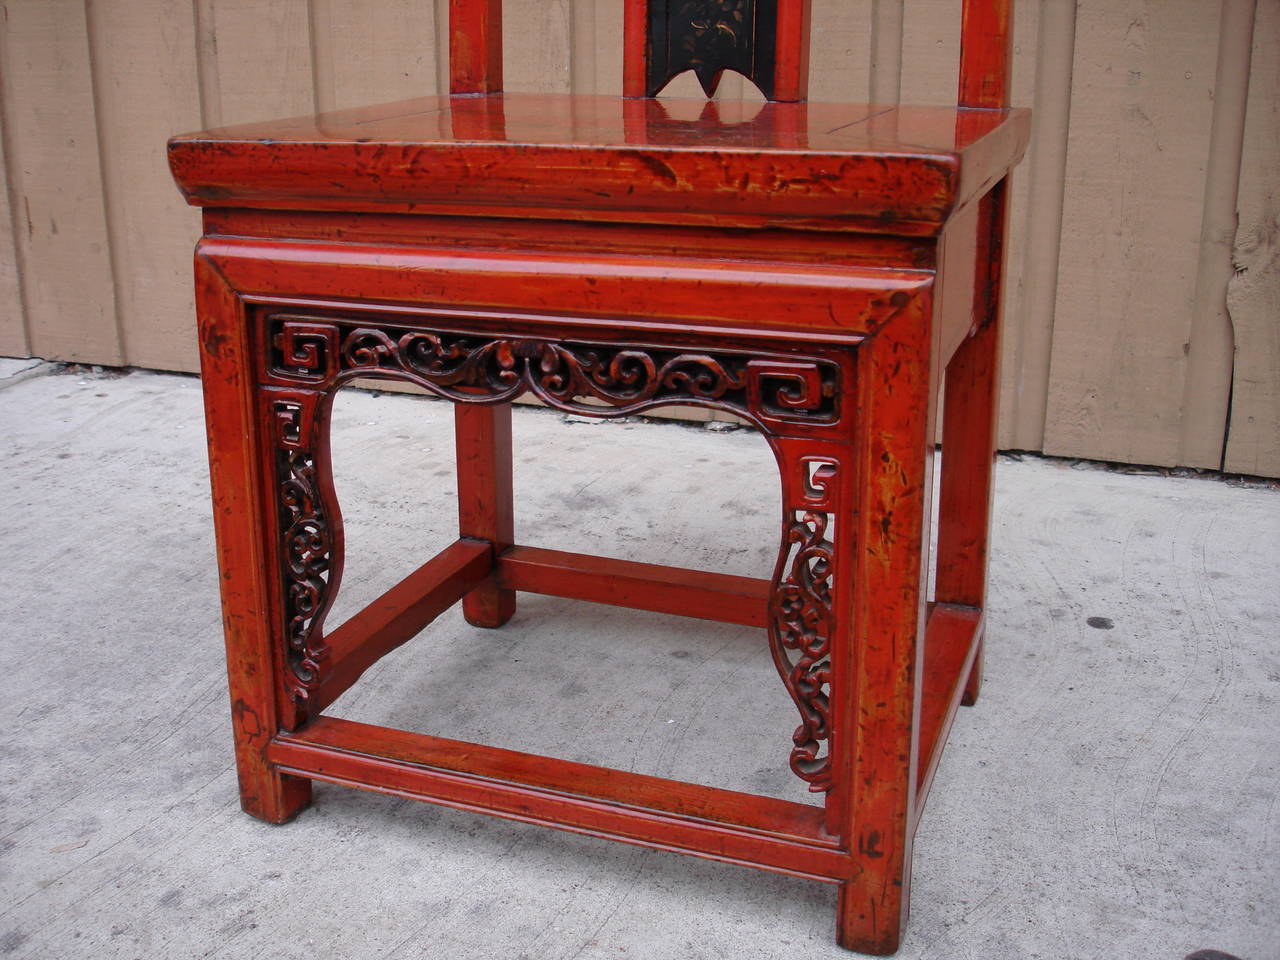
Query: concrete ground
<point x="1113" y="795"/>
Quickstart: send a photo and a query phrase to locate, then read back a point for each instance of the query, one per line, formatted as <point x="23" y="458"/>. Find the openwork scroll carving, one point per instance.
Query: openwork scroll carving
<point x="801" y="621"/>
<point x="708" y="37"/>
<point x="576" y="377"/>
<point x="306" y="545"/>
<point x="801" y="634"/>
<point x="564" y="374"/>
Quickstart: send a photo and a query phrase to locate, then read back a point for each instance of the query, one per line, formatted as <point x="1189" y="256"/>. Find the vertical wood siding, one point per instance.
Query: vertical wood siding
<point x="13" y="330"/>
<point x="54" y="172"/>
<point x="1253" y="292"/>
<point x="1143" y="326"/>
<point x="1141" y="109"/>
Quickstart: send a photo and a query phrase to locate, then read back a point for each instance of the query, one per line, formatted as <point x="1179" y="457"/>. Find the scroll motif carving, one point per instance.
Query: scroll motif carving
<point x="800" y="633"/>
<point x="306" y="547"/>
<point x="577" y="377"/>
<point x="555" y="372"/>
<point x="801" y="610"/>
<point x="710" y="36"/>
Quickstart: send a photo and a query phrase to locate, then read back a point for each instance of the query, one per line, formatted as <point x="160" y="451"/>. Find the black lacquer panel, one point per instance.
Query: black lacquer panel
<point x="709" y="37"/>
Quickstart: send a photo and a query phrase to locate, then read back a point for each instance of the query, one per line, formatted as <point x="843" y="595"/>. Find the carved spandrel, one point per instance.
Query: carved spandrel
<point x="800" y="632"/>
<point x="802" y="607"/>
<point x="307" y="549"/>
<point x="709" y="37"/>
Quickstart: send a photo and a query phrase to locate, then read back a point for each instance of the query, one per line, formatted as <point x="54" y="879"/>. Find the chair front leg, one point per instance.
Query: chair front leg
<point x="242" y="473"/>
<point x="873" y="802"/>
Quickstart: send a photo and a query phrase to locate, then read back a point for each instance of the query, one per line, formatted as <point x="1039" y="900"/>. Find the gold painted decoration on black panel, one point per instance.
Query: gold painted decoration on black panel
<point x="709" y="37"/>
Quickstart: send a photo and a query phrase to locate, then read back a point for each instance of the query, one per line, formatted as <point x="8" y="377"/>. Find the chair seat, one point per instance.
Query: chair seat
<point x="831" y="166"/>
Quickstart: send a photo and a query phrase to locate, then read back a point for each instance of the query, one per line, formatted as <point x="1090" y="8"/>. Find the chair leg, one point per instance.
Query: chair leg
<point x="486" y="509"/>
<point x="973" y="683"/>
<point x="968" y="458"/>
<point x="240" y="474"/>
<point x="875" y="735"/>
<point x="969" y="447"/>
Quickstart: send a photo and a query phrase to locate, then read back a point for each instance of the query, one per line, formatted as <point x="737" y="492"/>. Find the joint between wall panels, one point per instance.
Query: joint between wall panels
<point x="96" y="84"/>
<point x="440" y="18"/>
<point x="53" y="137"/>
<point x="1253" y="292"/>
<point x="1042" y="229"/>
<point x="207" y="85"/>
<point x="11" y="198"/>
<point x="320" y="33"/>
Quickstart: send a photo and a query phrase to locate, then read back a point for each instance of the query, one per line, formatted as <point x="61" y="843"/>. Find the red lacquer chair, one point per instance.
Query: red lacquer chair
<point x="812" y="268"/>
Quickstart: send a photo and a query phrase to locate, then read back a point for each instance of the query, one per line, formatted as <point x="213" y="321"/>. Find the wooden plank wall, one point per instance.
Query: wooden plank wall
<point x="1253" y="291"/>
<point x="1143" y="323"/>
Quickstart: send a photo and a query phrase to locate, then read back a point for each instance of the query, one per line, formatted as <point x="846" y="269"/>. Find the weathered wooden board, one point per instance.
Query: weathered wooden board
<point x="1253" y="296"/>
<point x="13" y="327"/>
<point x="141" y="100"/>
<point x="1206" y="397"/>
<point x="840" y="51"/>
<point x="931" y="50"/>
<point x="362" y="59"/>
<point x="1042" y="80"/>
<point x="262" y="59"/>
<point x="537" y="40"/>
<point x="1140" y="115"/>
<point x="55" y="185"/>
<point x="1024" y="93"/>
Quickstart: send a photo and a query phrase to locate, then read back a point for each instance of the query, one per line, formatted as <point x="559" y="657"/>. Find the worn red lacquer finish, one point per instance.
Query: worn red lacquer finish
<point x="811" y="268"/>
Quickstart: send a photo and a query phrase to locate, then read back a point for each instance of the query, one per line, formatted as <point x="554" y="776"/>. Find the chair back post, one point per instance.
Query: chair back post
<point x="475" y="46"/>
<point x="791" y="65"/>
<point x="635" y="47"/>
<point x="986" y="53"/>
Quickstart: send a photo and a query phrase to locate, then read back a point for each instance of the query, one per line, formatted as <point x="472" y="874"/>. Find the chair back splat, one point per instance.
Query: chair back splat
<point x="767" y="41"/>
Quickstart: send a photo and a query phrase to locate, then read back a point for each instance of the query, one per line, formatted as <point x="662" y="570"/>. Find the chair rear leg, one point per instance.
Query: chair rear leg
<point x="969" y="439"/>
<point x="968" y="456"/>
<point x="486" y="507"/>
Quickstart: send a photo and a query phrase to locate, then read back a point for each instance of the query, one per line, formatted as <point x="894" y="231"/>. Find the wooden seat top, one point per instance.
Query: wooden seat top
<point x="883" y="169"/>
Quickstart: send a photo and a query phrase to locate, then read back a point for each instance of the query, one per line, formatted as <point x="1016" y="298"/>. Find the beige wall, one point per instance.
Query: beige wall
<point x="1142" y="320"/>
